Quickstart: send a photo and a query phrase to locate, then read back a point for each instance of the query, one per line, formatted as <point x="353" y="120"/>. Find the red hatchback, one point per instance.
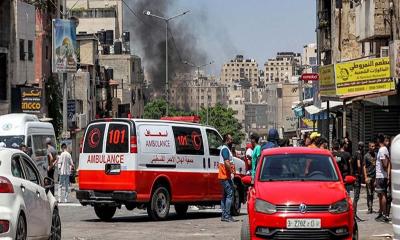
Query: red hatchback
<point x="298" y="193"/>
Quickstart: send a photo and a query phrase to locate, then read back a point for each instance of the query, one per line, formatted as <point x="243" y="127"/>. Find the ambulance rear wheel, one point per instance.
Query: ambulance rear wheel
<point x="105" y="213"/>
<point x="159" y="205"/>
<point x="181" y="209"/>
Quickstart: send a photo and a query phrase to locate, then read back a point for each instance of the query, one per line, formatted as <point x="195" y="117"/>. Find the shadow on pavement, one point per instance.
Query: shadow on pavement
<point x="171" y="217"/>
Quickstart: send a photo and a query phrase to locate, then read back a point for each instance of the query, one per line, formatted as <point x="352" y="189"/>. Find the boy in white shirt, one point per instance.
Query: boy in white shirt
<point x="66" y="164"/>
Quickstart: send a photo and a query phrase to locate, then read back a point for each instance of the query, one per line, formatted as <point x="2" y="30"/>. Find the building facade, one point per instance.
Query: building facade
<point x="282" y="68"/>
<point x="240" y="71"/>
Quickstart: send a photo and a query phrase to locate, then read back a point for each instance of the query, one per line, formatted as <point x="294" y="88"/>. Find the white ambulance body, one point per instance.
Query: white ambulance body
<point x="21" y="128"/>
<point x="152" y="164"/>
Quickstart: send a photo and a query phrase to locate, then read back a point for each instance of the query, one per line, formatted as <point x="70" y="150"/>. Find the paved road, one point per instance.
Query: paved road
<point x="80" y="223"/>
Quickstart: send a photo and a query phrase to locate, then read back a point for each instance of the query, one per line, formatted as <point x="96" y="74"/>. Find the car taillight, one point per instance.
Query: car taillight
<point x="133" y="144"/>
<point x="4" y="226"/>
<point x="6" y="186"/>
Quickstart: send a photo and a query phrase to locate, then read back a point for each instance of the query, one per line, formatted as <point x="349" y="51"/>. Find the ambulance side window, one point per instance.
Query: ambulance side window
<point x="188" y="141"/>
<point x="214" y="142"/>
<point x="117" y="138"/>
<point x="94" y="139"/>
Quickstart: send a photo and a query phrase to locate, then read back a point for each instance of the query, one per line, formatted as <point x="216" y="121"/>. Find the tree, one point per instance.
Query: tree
<point x="54" y="102"/>
<point x="223" y="119"/>
<point x="158" y="107"/>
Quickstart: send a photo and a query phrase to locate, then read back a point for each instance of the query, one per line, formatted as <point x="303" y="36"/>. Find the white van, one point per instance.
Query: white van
<point x="395" y="159"/>
<point x="20" y="128"/>
<point x="152" y="164"/>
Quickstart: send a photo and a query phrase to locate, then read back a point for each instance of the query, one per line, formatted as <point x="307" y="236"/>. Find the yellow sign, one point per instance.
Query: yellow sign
<point x="363" y="76"/>
<point x="327" y="85"/>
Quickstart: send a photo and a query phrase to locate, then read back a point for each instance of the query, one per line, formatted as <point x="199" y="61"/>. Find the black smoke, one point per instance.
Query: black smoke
<point x="148" y="36"/>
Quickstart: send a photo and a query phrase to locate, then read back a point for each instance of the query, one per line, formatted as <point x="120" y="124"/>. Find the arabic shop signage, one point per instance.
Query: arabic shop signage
<point x="327" y="80"/>
<point x="363" y="76"/>
<point x="31" y="100"/>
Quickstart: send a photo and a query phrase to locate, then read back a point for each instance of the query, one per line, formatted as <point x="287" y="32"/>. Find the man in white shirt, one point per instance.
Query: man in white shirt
<point x="382" y="163"/>
<point x="66" y="164"/>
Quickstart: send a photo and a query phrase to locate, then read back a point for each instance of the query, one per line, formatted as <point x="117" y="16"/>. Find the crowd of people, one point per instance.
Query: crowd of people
<point x="369" y="164"/>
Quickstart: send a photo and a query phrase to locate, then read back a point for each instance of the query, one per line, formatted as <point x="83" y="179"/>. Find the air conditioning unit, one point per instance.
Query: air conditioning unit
<point x="81" y="121"/>
<point x="385" y="51"/>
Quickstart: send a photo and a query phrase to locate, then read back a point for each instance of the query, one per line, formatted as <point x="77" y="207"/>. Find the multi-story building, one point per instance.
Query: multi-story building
<point x="187" y="94"/>
<point x="96" y="15"/>
<point x="128" y="74"/>
<point x="240" y="71"/>
<point x="282" y="68"/>
<point x="309" y="58"/>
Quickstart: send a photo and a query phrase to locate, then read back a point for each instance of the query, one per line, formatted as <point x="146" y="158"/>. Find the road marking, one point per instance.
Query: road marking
<point x="69" y="205"/>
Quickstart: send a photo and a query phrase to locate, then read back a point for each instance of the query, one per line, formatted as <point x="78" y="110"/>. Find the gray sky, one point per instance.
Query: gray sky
<point x="253" y="28"/>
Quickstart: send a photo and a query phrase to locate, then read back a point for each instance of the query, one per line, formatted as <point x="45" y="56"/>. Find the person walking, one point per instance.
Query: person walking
<point x="342" y="159"/>
<point x="247" y="158"/>
<point x="314" y="139"/>
<point x="52" y="161"/>
<point x="256" y="153"/>
<point x="382" y="164"/>
<point x="66" y="164"/>
<point x="358" y="173"/>
<point x="370" y="174"/>
<point x="224" y="176"/>
<point x="388" y="141"/>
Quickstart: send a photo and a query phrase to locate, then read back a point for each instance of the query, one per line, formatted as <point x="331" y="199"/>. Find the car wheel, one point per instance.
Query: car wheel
<point x="105" y="213"/>
<point x="181" y="209"/>
<point x="245" y="231"/>
<point x="355" y="231"/>
<point x="21" y="229"/>
<point x="236" y="205"/>
<point x="159" y="205"/>
<point x="55" y="226"/>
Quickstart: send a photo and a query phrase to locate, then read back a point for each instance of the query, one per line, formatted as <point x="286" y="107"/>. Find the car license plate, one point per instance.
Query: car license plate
<point x="303" y="223"/>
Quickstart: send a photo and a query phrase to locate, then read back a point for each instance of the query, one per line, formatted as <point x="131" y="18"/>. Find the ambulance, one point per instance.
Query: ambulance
<point x="152" y="164"/>
<point x="395" y="160"/>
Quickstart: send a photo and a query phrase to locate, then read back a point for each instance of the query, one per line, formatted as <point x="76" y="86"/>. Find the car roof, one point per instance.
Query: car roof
<point x="9" y="151"/>
<point x="295" y="150"/>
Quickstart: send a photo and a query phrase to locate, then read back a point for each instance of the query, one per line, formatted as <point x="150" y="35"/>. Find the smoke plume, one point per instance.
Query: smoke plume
<point x="148" y="41"/>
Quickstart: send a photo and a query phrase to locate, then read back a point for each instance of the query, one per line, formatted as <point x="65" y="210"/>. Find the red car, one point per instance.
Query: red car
<point x="298" y="193"/>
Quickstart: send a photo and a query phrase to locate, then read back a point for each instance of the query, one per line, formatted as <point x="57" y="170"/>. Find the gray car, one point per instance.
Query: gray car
<point x="28" y="210"/>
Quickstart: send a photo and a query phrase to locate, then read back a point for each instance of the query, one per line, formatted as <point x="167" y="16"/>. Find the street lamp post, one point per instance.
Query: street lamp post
<point x="198" y="79"/>
<point x="148" y="13"/>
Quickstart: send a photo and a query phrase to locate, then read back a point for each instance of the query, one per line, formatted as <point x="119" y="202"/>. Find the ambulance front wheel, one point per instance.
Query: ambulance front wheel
<point x="104" y="212"/>
<point x="160" y="202"/>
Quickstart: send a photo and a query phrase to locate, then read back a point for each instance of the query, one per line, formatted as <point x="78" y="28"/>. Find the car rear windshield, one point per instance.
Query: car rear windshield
<point x="94" y="139"/>
<point x="301" y="167"/>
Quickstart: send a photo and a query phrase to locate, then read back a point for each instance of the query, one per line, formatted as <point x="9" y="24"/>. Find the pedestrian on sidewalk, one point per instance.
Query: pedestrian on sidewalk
<point x="256" y="153"/>
<point x="343" y="159"/>
<point x="52" y="161"/>
<point x="370" y="174"/>
<point x="382" y="164"/>
<point x="388" y="141"/>
<point x="224" y="176"/>
<point x="357" y="171"/>
<point x="66" y="165"/>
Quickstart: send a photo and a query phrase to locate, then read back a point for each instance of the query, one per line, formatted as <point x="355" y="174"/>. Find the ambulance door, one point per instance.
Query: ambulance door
<point x="214" y="142"/>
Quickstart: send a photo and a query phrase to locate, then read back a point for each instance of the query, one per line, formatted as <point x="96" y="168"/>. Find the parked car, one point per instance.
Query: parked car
<point x="27" y="208"/>
<point x="395" y="159"/>
<point x="298" y="193"/>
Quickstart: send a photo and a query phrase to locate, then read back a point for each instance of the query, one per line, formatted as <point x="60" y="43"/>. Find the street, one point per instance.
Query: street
<point x="81" y="223"/>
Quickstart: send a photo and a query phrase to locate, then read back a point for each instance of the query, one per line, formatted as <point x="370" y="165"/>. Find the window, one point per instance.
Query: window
<point x="293" y="167"/>
<point x="31" y="174"/>
<point x="236" y="102"/>
<point x="117" y="138"/>
<point x="30" y="50"/>
<point x="94" y="139"/>
<point x="188" y="141"/>
<point x="22" y="49"/>
<point x="16" y="168"/>
<point x="39" y="144"/>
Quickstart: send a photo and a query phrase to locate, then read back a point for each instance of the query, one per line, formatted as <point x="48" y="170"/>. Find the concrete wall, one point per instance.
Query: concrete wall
<point x="25" y="29"/>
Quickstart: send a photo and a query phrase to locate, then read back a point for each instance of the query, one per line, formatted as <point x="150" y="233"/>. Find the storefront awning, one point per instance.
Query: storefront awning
<point x="362" y="96"/>
<point x="314" y="109"/>
<point x="307" y="101"/>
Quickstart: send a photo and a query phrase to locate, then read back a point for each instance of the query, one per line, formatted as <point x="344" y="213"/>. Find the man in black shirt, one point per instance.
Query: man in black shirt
<point x="370" y="174"/>
<point x="343" y="160"/>
<point x="358" y="173"/>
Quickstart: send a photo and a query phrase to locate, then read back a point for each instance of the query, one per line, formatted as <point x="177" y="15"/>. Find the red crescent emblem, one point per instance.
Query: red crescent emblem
<point x="196" y="139"/>
<point x="94" y="138"/>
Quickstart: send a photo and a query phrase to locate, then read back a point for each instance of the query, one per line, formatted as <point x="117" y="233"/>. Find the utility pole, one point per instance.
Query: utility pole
<point x="64" y="76"/>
